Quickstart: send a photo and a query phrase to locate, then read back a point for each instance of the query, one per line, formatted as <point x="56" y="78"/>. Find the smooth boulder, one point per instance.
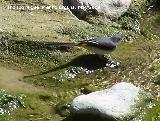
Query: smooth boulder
<point x="108" y="8"/>
<point x="115" y="102"/>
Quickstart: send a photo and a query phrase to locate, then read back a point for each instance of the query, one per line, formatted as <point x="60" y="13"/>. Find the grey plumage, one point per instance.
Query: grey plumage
<point x="101" y="45"/>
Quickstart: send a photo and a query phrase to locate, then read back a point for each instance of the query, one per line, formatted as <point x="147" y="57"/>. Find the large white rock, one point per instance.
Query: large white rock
<point x="115" y="102"/>
<point x="109" y="8"/>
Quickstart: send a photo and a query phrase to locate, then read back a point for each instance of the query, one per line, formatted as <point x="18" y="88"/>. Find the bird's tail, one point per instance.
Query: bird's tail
<point x="81" y="44"/>
<point x="43" y="43"/>
<point x="78" y="44"/>
<point x="60" y="44"/>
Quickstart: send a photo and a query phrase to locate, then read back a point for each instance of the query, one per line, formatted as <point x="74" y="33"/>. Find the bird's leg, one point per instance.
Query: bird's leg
<point x="109" y="57"/>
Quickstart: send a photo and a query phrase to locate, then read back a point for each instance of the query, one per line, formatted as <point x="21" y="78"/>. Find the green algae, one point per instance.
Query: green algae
<point x="50" y="65"/>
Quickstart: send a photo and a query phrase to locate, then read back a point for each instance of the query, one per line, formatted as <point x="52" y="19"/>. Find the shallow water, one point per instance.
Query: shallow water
<point x="157" y="26"/>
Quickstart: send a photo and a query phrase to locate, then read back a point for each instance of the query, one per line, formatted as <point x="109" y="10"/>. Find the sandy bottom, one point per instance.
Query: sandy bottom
<point x="11" y="80"/>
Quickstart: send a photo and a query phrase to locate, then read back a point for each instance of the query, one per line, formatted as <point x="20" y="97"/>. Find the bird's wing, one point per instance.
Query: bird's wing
<point x="101" y="43"/>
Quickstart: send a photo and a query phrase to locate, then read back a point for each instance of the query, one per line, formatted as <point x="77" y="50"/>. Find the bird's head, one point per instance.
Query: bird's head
<point x="116" y="38"/>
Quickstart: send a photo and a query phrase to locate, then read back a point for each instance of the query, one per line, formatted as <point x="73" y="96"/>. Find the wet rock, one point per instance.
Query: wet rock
<point x="116" y="102"/>
<point x="109" y="8"/>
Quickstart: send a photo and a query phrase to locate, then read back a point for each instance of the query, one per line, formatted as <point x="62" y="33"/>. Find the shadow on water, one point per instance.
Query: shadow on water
<point x="22" y="48"/>
<point x="90" y="62"/>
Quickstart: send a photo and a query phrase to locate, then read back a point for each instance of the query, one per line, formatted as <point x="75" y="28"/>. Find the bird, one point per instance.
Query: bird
<point x="101" y="45"/>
